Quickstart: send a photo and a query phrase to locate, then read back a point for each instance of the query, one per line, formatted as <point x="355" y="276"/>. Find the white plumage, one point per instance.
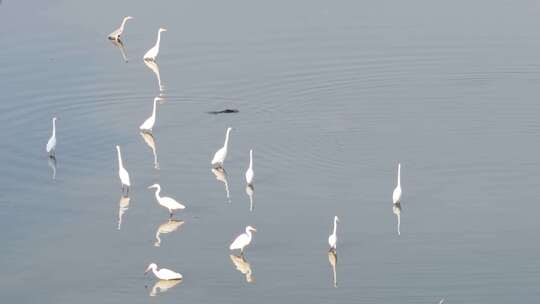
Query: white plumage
<point x="332" y="239"/>
<point x="165" y="201"/>
<point x="122" y="172"/>
<point x="51" y="144"/>
<point x="243" y="239"/>
<point x="163" y="273"/>
<point x="221" y="154"/>
<point x="148" y="124"/>
<point x="396" y="195"/>
<point x="154" y="51"/>
<point x="116" y="34"/>
<point x="249" y="172"/>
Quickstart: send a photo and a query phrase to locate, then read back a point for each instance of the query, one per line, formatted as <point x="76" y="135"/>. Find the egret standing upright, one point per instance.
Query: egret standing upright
<point x="116" y="34"/>
<point x="154" y="51"/>
<point x="122" y="172"/>
<point x="166" y="201"/>
<point x="332" y="239"/>
<point x="51" y="144"/>
<point x="148" y="124"/>
<point x="221" y="154"/>
<point x="242" y="240"/>
<point x="396" y="196"/>
<point x="249" y="172"/>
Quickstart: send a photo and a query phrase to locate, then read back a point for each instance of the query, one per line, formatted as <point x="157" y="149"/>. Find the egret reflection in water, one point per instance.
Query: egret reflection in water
<point x="152" y="65"/>
<point x="332" y="258"/>
<point x="151" y="142"/>
<point x="123" y="206"/>
<point x="52" y="164"/>
<point x="221" y="175"/>
<point x="243" y="266"/>
<point x="162" y="286"/>
<point x="120" y="45"/>
<point x="396" y="209"/>
<point x="167" y="227"/>
<point x="250" y="191"/>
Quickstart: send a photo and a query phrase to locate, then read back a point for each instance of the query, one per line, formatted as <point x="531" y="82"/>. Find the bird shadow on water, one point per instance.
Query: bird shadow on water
<point x="150" y="140"/>
<point x="333" y="258"/>
<point x="51" y="162"/>
<point x="396" y="209"/>
<point x="250" y="191"/>
<point x="154" y="67"/>
<point x="120" y="45"/>
<point x="123" y="206"/>
<point x="242" y="265"/>
<point x="221" y="175"/>
<point x="168" y="227"/>
<point x="162" y="286"/>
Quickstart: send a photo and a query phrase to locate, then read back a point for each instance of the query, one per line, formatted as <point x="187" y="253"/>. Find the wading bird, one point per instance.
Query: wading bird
<point x="165" y="201"/>
<point x="332" y="239"/>
<point x="221" y="154"/>
<point x="242" y="240"/>
<point x="163" y="273"/>
<point x="154" y="51"/>
<point x="122" y="172"/>
<point x="51" y="144"/>
<point x="396" y="196"/>
<point x="116" y="34"/>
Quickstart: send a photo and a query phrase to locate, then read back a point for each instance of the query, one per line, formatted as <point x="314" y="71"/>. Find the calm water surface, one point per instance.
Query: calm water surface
<point x="331" y="95"/>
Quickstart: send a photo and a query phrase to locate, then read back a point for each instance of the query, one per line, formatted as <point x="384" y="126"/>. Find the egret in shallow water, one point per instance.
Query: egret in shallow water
<point x="51" y="144"/>
<point x="396" y="195"/>
<point x="148" y="124"/>
<point x="163" y="273"/>
<point x="242" y="240"/>
<point x="154" y="51"/>
<point x="249" y="172"/>
<point x="165" y="201"/>
<point x="221" y="154"/>
<point x="167" y="227"/>
<point x="332" y="239"/>
<point x="122" y="172"/>
<point x="116" y="34"/>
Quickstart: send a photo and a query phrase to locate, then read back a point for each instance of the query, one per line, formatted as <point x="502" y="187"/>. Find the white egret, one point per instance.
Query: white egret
<point x="249" y="172"/>
<point x="123" y="206"/>
<point x="167" y="227"/>
<point x="51" y="144"/>
<point x="242" y="240"/>
<point x="396" y="195"/>
<point x="122" y="172"/>
<point x="243" y="266"/>
<point x="163" y="285"/>
<point x="163" y="273"/>
<point x="221" y="175"/>
<point x="396" y="209"/>
<point x="221" y="154"/>
<point x="332" y="258"/>
<point x="151" y="142"/>
<point x="165" y="201"/>
<point x="116" y="34"/>
<point x="154" y="51"/>
<point x="148" y="124"/>
<point x="332" y="239"/>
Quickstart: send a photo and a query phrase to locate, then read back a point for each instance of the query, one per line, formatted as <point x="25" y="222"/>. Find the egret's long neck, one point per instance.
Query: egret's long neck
<point x="158" y="190"/>
<point x="250" y="159"/>
<point x="120" y="165"/>
<point x="248" y="232"/>
<point x="154" y="270"/>
<point x="335" y="227"/>
<point x="158" y="39"/>
<point x="226" y="139"/>
<point x="54" y="127"/>
<point x="123" y="23"/>
<point x="399" y="175"/>
<point x="154" y="110"/>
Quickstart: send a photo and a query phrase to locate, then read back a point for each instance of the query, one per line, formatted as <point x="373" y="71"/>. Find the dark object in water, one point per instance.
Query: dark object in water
<point x="223" y="111"/>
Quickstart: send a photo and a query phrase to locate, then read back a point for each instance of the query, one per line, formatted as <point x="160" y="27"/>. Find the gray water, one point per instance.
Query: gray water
<point x="331" y="96"/>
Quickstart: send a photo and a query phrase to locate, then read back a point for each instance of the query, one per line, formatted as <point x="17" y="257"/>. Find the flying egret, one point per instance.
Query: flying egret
<point x="396" y="196"/>
<point x="167" y="227"/>
<point x="249" y="172"/>
<point x="148" y="124"/>
<point x="221" y="154"/>
<point x="165" y="201"/>
<point x="51" y="144"/>
<point x="242" y="240"/>
<point x="243" y="266"/>
<point x="122" y="172"/>
<point x="116" y="34"/>
<point x="332" y="239"/>
<point x="163" y="273"/>
<point x="154" y="51"/>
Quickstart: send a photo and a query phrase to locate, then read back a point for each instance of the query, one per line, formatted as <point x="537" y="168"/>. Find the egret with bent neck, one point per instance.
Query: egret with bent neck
<point x="165" y="201"/>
